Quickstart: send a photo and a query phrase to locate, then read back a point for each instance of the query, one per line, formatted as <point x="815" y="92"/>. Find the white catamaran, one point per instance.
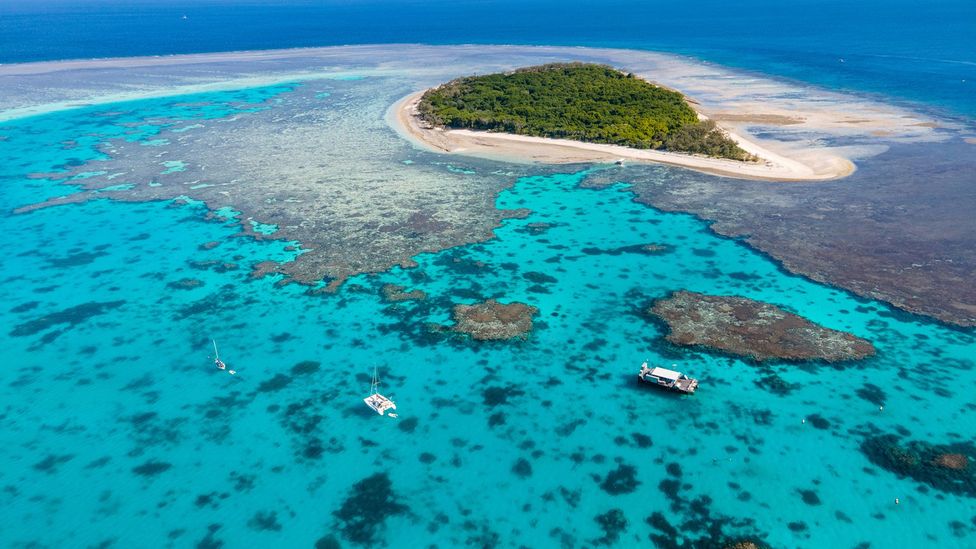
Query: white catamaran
<point x="379" y="403"/>
<point x="220" y="363"/>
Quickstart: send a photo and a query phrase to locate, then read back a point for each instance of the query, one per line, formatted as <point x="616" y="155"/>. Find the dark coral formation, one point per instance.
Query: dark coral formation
<point x="872" y="393"/>
<point x="151" y="468"/>
<point x="264" y="521"/>
<point x="492" y="320"/>
<point x="365" y="510"/>
<point x="947" y="467"/>
<point x="71" y="316"/>
<point x="522" y="468"/>
<point x="697" y="526"/>
<point x="754" y="329"/>
<point x="613" y="523"/>
<point x="185" y="284"/>
<point x="303" y="421"/>
<point x="496" y="395"/>
<point x="776" y="385"/>
<point x="701" y="529"/>
<point x="305" y="367"/>
<point x="809" y="497"/>
<point x="622" y="480"/>
<point x="51" y="463"/>
<point x="276" y="383"/>
<point x="641" y="249"/>
<point x="395" y="293"/>
<point x="818" y="421"/>
<point x="535" y="228"/>
<point x="745" y="544"/>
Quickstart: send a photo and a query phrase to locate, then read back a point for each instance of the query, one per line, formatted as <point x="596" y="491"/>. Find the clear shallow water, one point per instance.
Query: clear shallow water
<point x="115" y="426"/>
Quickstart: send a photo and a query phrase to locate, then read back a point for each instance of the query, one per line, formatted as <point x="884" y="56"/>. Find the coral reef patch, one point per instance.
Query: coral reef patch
<point x="947" y="467"/>
<point x="394" y="293"/>
<point x="71" y="316"/>
<point x="492" y="320"/>
<point x="748" y="328"/>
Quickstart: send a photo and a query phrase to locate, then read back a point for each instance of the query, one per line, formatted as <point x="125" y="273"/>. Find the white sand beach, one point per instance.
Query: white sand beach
<point x="814" y="165"/>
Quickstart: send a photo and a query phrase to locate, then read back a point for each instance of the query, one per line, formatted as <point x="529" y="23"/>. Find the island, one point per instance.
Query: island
<point x="753" y="329"/>
<point x="561" y="113"/>
<point x="584" y="102"/>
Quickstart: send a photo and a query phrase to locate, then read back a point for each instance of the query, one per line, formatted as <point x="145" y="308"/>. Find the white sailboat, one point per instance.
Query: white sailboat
<point x="220" y="363"/>
<point x="379" y="403"/>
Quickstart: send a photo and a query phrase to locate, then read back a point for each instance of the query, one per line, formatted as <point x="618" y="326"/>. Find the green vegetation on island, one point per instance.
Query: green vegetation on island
<point x="579" y="101"/>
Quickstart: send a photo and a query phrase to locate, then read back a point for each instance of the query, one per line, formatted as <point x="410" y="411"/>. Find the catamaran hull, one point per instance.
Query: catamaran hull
<point x="380" y="404"/>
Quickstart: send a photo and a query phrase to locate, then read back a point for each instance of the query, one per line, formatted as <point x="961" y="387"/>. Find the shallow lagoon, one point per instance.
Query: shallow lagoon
<point x="117" y="428"/>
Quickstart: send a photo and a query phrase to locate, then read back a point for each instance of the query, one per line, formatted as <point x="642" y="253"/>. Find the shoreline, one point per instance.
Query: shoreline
<point x="819" y="164"/>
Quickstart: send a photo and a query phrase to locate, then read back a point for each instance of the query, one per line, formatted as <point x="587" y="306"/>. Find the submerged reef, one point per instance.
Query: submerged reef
<point x="745" y="544"/>
<point x="754" y="329"/>
<point x="70" y="316"/>
<point x="345" y="211"/>
<point x="363" y="513"/>
<point x="874" y="233"/>
<point x="947" y="467"/>
<point x="643" y="249"/>
<point x="492" y="320"/>
<point x="699" y="526"/>
<point x="395" y="293"/>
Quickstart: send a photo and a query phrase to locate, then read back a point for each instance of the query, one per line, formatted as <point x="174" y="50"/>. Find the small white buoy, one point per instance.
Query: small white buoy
<point x="804" y="421"/>
<point x="896" y="501"/>
<point x="881" y="409"/>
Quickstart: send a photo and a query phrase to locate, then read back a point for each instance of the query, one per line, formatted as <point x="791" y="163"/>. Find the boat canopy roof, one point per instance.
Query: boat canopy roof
<point x="666" y="374"/>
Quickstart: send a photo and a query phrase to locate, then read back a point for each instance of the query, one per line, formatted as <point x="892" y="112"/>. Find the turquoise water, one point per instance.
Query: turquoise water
<point x="117" y="429"/>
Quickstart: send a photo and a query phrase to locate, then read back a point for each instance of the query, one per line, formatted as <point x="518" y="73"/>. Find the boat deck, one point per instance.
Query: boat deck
<point x="379" y="403"/>
<point x="667" y="379"/>
<point x="686" y="385"/>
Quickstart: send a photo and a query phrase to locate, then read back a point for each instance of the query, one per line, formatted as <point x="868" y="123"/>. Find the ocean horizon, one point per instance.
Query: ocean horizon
<point x="890" y="48"/>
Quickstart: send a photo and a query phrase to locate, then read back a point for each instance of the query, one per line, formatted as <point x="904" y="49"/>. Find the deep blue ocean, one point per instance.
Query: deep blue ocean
<point x="920" y="52"/>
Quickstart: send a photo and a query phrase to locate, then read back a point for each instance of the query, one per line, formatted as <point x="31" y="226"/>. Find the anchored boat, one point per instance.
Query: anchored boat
<point x="220" y="363"/>
<point x="667" y="379"/>
<point x="379" y="403"/>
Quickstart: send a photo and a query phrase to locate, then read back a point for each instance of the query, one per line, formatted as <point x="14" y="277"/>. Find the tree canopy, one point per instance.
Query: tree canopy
<point x="580" y="101"/>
